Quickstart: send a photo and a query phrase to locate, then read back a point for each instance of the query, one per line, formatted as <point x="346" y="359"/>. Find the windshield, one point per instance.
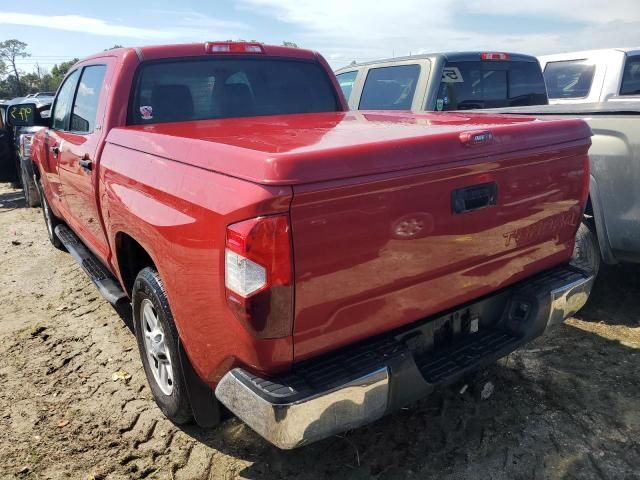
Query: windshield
<point x="570" y="79"/>
<point x="212" y="88"/>
<point x="490" y="84"/>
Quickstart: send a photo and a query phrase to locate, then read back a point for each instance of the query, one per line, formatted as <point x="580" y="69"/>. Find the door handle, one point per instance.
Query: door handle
<point x="86" y="163"/>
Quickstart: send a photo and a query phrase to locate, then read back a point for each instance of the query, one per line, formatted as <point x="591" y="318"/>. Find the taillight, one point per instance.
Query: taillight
<point x="494" y="56"/>
<point x="258" y="275"/>
<point x="233" y="47"/>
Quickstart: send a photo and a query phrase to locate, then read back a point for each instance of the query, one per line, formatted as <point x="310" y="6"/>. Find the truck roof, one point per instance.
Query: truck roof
<point x="156" y="52"/>
<point x="449" y="56"/>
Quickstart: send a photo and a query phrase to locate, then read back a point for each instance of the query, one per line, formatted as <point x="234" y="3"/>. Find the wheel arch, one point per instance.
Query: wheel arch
<point x="131" y="257"/>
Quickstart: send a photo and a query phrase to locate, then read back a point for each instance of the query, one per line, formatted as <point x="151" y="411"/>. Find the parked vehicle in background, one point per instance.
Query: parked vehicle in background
<point x="41" y="94"/>
<point x="613" y="209"/>
<point x="315" y="268"/>
<point x="444" y="82"/>
<point x="7" y="155"/>
<point x="593" y="75"/>
<point x="22" y="137"/>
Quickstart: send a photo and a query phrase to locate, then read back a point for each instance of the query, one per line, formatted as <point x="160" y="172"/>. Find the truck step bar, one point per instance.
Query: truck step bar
<point x="106" y="283"/>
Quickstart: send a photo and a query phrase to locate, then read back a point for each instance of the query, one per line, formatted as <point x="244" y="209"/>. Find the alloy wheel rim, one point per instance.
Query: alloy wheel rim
<point x="155" y="346"/>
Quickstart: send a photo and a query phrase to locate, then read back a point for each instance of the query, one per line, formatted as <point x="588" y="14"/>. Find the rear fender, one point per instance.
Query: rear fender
<point x="179" y="214"/>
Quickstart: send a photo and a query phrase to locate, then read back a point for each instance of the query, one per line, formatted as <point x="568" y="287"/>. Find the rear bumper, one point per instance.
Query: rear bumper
<point x="359" y="384"/>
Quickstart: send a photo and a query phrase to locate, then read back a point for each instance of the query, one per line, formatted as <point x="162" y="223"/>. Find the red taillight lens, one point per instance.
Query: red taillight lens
<point x="233" y="47"/>
<point x="258" y="275"/>
<point x="494" y="56"/>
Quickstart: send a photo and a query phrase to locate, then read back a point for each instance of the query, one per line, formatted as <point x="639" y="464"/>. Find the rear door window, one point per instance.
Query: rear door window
<point x="85" y="109"/>
<point x="569" y="79"/>
<point x="346" y="81"/>
<point x="631" y="76"/>
<point x="490" y="84"/>
<point x="390" y="88"/>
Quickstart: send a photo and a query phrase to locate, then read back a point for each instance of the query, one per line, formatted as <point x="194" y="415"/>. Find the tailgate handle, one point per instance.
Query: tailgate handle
<point x="472" y="198"/>
<point x="474" y="139"/>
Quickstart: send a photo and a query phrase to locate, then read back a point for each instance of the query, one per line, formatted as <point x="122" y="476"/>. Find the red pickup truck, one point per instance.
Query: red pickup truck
<point x="308" y="267"/>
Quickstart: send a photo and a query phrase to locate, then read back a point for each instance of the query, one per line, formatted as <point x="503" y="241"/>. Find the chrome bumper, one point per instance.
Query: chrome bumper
<point x="290" y="425"/>
<point x="569" y="299"/>
<point x="289" y="418"/>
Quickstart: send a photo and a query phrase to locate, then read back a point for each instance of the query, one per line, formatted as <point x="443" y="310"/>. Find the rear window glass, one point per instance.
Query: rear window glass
<point x="176" y="91"/>
<point x="631" y="77"/>
<point x="390" y="88"/>
<point x="346" y="81"/>
<point x="571" y="79"/>
<point x="490" y="84"/>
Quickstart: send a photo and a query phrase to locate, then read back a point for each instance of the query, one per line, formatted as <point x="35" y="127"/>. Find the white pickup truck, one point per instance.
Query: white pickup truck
<point x="592" y="76"/>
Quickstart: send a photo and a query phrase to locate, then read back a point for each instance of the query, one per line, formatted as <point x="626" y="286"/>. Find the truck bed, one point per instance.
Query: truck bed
<point x="307" y="148"/>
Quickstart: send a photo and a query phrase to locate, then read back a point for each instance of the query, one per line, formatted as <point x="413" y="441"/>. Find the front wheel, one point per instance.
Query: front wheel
<point x="158" y="345"/>
<point x="31" y="195"/>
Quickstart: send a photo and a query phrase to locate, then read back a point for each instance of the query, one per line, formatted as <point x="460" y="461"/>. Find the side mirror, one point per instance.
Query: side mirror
<point x="21" y="115"/>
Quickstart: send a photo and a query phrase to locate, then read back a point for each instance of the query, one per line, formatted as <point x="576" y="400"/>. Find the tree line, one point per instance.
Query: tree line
<point x="16" y="83"/>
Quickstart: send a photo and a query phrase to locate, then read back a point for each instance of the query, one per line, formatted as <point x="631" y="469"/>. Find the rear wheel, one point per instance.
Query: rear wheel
<point x="158" y="343"/>
<point x="586" y="253"/>
<point x="50" y="220"/>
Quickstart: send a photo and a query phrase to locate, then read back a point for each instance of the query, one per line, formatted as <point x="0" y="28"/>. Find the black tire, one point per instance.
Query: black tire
<point x="148" y="292"/>
<point x="586" y="253"/>
<point x="31" y="194"/>
<point x="50" y="220"/>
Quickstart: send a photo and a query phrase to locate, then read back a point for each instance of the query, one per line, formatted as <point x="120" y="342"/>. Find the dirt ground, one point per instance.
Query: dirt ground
<point x="74" y="401"/>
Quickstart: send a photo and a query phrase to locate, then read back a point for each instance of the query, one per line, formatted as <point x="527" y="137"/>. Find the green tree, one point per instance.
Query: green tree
<point x="59" y="71"/>
<point x="10" y="51"/>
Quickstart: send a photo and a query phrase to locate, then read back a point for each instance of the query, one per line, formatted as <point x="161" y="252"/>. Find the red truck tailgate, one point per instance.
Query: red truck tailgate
<point x="480" y="207"/>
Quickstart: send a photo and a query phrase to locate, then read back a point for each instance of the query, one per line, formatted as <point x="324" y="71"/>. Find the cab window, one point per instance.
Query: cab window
<point x="569" y="79"/>
<point x="390" y="88"/>
<point x="631" y="77"/>
<point x="467" y="85"/>
<point x="64" y="100"/>
<point x="346" y="80"/>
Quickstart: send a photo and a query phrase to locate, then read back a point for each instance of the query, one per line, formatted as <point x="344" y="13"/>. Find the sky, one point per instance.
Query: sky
<point x="341" y="30"/>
